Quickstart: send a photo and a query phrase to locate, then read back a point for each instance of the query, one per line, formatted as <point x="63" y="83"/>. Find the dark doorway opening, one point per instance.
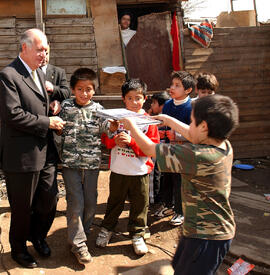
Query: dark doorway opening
<point x="140" y="10"/>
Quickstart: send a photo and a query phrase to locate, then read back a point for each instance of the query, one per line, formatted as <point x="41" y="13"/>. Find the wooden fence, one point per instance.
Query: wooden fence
<point x="72" y="41"/>
<point x="240" y="59"/>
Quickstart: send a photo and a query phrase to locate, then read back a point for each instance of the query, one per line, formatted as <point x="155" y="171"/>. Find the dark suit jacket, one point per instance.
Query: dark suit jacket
<point x="24" y="120"/>
<point x="57" y="77"/>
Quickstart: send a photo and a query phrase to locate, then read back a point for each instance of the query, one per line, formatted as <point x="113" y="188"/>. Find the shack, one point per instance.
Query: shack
<point x="86" y="33"/>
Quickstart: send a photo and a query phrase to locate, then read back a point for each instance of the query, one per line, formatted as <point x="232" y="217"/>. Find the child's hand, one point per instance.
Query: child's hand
<point x="124" y="138"/>
<point x="162" y="134"/>
<point x="114" y="125"/>
<point x="128" y="123"/>
<point x="118" y="141"/>
<point x="170" y="134"/>
<point x="163" y="118"/>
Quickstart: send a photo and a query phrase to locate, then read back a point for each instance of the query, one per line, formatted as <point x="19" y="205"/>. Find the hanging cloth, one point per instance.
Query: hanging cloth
<point x="175" y="38"/>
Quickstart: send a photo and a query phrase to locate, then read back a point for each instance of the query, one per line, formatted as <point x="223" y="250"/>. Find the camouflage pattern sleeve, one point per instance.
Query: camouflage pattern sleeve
<point x="104" y="124"/>
<point x="176" y="158"/>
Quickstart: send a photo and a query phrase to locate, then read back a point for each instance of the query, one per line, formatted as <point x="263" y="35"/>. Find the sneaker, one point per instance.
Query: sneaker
<point x="177" y="219"/>
<point x="83" y="257"/>
<point x="147" y="233"/>
<point x="139" y="245"/>
<point x="163" y="211"/>
<point x="103" y="237"/>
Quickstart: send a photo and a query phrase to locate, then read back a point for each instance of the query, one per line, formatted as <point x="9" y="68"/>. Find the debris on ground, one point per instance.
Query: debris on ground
<point x="240" y="267"/>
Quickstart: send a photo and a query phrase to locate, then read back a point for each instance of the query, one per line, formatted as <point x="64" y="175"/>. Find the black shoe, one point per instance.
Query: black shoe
<point x="41" y="247"/>
<point x="24" y="259"/>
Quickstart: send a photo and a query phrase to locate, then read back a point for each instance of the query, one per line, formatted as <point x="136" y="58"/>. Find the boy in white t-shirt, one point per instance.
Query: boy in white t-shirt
<point x="130" y="169"/>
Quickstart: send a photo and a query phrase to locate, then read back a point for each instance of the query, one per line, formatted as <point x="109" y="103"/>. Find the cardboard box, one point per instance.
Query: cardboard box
<point x="111" y="83"/>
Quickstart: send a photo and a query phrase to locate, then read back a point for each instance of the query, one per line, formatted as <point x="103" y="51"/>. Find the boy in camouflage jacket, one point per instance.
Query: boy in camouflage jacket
<point x="81" y="157"/>
<point x="205" y="166"/>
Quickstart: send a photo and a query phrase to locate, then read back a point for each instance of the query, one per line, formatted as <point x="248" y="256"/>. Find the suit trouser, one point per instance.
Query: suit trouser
<point x="32" y="197"/>
<point x="137" y="190"/>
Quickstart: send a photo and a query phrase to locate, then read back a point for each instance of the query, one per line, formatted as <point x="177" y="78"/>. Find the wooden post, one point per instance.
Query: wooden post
<point x="255" y="9"/>
<point x="231" y="5"/>
<point x="38" y="14"/>
<point x="181" y="36"/>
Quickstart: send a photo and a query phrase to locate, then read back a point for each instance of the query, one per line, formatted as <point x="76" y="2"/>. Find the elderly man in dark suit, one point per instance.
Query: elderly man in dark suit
<point x="24" y="109"/>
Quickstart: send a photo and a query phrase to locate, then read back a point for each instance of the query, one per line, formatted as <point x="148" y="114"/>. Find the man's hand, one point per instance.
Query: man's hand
<point x="55" y="107"/>
<point x="49" y="87"/>
<point x="56" y="123"/>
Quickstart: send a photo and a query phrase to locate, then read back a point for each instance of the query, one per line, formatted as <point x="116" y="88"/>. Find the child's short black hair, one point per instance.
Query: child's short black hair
<point x="219" y="112"/>
<point x="207" y="81"/>
<point x="186" y="78"/>
<point x="134" y="84"/>
<point x="161" y="98"/>
<point x="83" y="74"/>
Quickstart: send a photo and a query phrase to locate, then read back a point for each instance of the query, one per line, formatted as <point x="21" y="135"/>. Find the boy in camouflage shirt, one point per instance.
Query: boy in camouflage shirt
<point x="81" y="157"/>
<point x="205" y="166"/>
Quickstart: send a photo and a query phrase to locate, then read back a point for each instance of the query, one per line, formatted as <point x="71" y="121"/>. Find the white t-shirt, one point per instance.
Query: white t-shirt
<point x="127" y="34"/>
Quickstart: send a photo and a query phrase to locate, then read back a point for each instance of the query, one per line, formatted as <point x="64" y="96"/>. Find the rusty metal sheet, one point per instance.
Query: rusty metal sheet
<point x="149" y="52"/>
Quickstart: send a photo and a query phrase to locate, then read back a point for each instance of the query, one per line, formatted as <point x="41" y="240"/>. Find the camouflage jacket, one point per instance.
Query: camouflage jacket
<point x="206" y="186"/>
<point x="81" y="138"/>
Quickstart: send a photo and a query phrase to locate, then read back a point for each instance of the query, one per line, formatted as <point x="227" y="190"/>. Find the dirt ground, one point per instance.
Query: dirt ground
<point x="118" y="257"/>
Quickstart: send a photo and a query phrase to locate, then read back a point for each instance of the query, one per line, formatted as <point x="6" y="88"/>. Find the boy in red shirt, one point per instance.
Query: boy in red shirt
<point x="130" y="169"/>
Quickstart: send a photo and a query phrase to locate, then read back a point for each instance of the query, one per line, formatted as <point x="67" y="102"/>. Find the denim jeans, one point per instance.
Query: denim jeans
<point x="81" y="195"/>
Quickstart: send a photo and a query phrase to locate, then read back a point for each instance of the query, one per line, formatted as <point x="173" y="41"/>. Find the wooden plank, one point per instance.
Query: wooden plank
<point x="255" y="105"/>
<point x="106" y="34"/>
<point x="191" y="44"/>
<point x="253" y="99"/>
<point x="70" y="30"/>
<point x="71" y="38"/>
<point x="7" y="31"/>
<point x="71" y="69"/>
<point x="68" y="22"/>
<point x="239" y="30"/>
<point x="8" y="54"/>
<point x="259" y="152"/>
<point x="7" y="23"/>
<point x="256" y="117"/>
<point x="75" y="45"/>
<point x="245" y="143"/>
<point x="39" y="15"/>
<point x="251" y="136"/>
<point x="74" y="53"/>
<point x="9" y="47"/>
<point x="5" y="61"/>
<point x="9" y="39"/>
<point x="227" y="51"/>
<point x="74" y="61"/>
<point x="246" y="65"/>
<point x="25" y="23"/>
<point x="227" y="57"/>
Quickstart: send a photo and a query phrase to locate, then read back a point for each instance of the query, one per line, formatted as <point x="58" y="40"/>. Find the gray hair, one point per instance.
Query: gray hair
<point x="28" y="38"/>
